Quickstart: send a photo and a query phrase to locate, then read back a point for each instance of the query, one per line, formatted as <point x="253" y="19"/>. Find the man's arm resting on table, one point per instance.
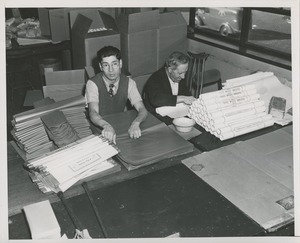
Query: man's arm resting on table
<point x="134" y="130"/>
<point x="108" y="131"/>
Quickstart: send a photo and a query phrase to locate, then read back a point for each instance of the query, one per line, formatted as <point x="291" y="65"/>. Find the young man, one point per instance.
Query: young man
<point x="167" y="86"/>
<point x="108" y="91"/>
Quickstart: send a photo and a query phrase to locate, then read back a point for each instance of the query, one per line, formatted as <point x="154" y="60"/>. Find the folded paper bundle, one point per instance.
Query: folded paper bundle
<point x="31" y="137"/>
<point x="76" y="117"/>
<point x="60" y="169"/>
<point x="231" y="112"/>
<point x="29" y="131"/>
<point x="58" y="128"/>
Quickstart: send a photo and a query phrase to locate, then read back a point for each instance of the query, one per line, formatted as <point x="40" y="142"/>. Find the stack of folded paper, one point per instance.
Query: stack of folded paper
<point x="29" y="131"/>
<point x="77" y="119"/>
<point x="31" y="137"/>
<point x="231" y="112"/>
<point x="60" y="169"/>
<point x="58" y="128"/>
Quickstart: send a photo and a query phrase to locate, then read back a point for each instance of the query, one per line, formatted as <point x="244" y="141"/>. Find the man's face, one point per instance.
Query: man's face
<point x="111" y="67"/>
<point x="179" y="73"/>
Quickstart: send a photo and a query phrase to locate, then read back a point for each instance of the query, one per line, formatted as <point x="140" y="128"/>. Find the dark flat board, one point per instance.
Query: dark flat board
<point x="157" y="204"/>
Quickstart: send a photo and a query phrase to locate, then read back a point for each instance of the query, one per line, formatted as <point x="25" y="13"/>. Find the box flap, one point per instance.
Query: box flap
<point x="97" y="20"/>
<point x="109" y="22"/>
<point x="171" y="19"/>
<point x="136" y="22"/>
<point x="81" y="25"/>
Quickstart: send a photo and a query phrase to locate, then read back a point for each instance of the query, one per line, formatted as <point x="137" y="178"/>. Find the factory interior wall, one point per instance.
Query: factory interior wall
<point x="232" y="65"/>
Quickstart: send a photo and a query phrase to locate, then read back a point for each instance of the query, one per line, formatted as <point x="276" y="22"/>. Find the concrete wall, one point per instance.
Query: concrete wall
<point x="232" y="65"/>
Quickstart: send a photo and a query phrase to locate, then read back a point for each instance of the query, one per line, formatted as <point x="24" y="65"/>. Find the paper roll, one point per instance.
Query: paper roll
<point x="220" y="99"/>
<point x="234" y="101"/>
<point x="232" y="111"/>
<point x="227" y="92"/>
<point x="244" y="125"/>
<point x="225" y="136"/>
<point x="239" y="115"/>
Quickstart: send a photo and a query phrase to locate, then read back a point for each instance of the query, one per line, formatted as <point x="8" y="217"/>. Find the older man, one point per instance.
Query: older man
<point x="108" y="91"/>
<point x="167" y="86"/>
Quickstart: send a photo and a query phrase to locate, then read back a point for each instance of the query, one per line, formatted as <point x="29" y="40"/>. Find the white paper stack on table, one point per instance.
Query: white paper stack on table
<point x="42" y="221"/>
<point x="60" y="169"/>
<point x="231" y="112"/>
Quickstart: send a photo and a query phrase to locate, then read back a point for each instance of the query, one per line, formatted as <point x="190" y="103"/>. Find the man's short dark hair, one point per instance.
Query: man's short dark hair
<point x="108" y="51"/>
<point x="176" y="58"/>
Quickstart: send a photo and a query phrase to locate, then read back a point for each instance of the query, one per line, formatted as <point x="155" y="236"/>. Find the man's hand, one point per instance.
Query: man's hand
<point x="188" y="100"/>
<point x="134" y="130"/>
<point x="109" y="133"/>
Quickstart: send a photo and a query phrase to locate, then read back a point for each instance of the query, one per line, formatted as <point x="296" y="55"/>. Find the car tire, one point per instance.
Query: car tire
<point x="224" y="30"/>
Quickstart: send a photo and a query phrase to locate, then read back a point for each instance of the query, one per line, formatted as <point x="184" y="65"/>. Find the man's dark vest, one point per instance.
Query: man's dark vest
<point x="107" y="104"/>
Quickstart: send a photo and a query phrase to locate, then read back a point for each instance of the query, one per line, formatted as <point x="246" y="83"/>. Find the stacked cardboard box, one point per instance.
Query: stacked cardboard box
<point x="91" y="30"/>
<point x="55" y="22"/>
<point x="172" y="35"/>
<point x="139" y="41"/>
<point x="148" y="38"/>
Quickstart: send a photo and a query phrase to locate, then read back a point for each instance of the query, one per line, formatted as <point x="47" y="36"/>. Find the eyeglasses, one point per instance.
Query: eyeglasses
<point x="105" y="66"/>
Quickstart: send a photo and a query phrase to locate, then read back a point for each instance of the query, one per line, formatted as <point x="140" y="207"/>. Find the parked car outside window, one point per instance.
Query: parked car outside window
<point x="224" y="20"/>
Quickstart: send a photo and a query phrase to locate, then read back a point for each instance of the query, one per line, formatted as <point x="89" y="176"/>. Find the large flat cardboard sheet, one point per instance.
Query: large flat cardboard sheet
<point x="65" y="77"/>
<point x="271" y="142"/>
<point x="62" y="92"/>
<point x="249" y="178"/>
<point x="157" y="142"/>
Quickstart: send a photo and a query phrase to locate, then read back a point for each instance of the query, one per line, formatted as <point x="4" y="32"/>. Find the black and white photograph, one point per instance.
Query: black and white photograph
<point x="150" y="122"/>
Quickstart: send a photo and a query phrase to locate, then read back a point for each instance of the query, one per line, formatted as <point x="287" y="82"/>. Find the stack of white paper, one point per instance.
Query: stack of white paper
<point x="42" y="221"/>
<point x="62" y="168"/>
<point x="231" y="112"/>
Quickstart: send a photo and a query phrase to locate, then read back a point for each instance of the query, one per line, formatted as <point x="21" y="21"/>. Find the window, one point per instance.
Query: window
<point x="261" y="33"/>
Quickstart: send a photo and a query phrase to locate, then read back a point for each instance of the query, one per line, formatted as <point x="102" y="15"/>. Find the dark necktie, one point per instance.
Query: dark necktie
<point x="111" y="91"/>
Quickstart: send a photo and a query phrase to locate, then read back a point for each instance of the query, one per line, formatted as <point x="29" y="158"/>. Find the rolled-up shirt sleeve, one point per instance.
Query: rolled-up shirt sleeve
<point x="91" y="92"/>
<point x="133" y="93"/>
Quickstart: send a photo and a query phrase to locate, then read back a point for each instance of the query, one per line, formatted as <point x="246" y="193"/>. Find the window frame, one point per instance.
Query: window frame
<point x="241" y="45"/>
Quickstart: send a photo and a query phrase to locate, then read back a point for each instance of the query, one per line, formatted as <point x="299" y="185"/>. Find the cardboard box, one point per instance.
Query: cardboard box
<point x="136" y="22"/>
<point x="54" y="23"/>
<point x="141" y="81"/>
<point x="172" y="35"/>
<point x="87" y="38"/>
<point x="65" y="77"/>
<point x="139" y="52"/>
<point x="61" y="85"/>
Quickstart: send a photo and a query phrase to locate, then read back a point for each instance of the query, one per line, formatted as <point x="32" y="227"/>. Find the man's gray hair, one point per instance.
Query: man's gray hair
<point x="176" y="58"/>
